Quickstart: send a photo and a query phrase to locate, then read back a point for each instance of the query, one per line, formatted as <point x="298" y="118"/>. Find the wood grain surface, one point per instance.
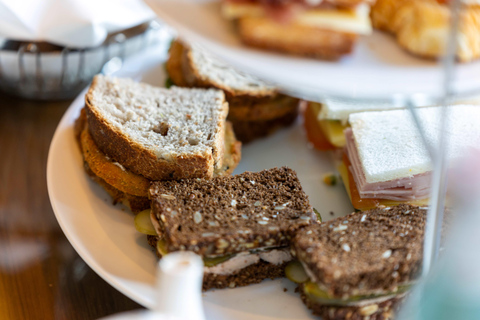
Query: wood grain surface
<point x="41" y="276"/>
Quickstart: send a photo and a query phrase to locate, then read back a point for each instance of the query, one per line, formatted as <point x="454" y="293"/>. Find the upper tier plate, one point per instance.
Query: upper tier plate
<point x="378" y="69"/>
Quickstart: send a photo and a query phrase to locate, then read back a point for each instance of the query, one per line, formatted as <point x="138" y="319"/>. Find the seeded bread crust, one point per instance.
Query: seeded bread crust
<point x="378" y="311"/>
<point x="231" y="214"/>
<point x="134" y="156"/>
<point x="364" y="252"/>
<point x="264" y="33"/>
<point x="247" y="131"/>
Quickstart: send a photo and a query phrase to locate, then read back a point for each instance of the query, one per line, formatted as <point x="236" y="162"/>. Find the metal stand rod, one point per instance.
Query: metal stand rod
<point x="439" y="160"/>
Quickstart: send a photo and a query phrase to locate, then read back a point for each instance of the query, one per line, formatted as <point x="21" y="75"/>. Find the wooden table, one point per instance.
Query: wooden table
<point x="41" y="276"/>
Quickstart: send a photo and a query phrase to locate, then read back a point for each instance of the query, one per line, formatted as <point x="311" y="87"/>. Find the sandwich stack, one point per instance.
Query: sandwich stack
<point x="256" y="109"/>
<point x="241" y="225"/>
<point x="359" y="266"/>
<point x="132" y="133"/>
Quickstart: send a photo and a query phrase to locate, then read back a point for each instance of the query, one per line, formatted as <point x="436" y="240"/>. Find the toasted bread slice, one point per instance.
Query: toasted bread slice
<point x="156" y="132"/>
<point x="265" y="33"/>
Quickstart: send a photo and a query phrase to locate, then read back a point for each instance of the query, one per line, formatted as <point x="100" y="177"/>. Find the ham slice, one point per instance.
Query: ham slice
<point x="415" y="187"/>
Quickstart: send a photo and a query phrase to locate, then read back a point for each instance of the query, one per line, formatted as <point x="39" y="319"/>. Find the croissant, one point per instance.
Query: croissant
<point x="422" y="27"/>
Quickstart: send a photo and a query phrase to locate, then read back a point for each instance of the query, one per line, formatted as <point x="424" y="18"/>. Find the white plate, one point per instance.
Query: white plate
<point x="105" y="237"/>
<point x="378" y="69"/>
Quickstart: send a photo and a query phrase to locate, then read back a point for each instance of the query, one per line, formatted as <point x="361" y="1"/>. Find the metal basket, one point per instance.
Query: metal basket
<point x="38" y="70"/>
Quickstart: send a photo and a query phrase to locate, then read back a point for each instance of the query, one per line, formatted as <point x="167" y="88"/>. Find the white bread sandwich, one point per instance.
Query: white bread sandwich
<point x="321" y="29"/>
<point x="422" y="26"/>
<point x="131" y="133"/>
<point x="385" y="161"/>
<point x="325" y="122"/>
<point x="256" y="109"/>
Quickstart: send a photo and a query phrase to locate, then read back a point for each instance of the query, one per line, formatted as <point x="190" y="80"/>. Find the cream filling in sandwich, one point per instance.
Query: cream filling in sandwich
<point x="352" y="20"/>
<point x="230" y="264"/>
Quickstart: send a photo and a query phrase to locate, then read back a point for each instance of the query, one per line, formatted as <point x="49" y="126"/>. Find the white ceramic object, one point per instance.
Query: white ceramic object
<point x="178" y="291"/>
<point x="105" y="237"/>
<point x="378" y="68"/>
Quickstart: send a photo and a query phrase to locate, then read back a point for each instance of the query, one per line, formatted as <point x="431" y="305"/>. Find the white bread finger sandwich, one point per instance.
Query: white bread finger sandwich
<point x="385" y="161"/>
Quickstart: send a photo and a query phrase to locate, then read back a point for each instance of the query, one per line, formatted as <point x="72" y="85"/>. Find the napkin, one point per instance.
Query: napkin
<point x="70" y="23"/>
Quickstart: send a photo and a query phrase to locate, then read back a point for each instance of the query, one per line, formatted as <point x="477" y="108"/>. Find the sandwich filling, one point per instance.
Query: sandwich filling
<point x="343" y="19"/>
<point x="404" y="189"/>
<point x="317" y="293"/>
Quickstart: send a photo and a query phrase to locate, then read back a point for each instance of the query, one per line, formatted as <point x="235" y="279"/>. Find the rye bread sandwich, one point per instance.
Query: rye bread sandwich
<point x="256" y="109"/>
<point x="359" y="266"/>
<point x="131" y="133"/>
<point x="239" y="224"/>
<point x="321" y="29"/>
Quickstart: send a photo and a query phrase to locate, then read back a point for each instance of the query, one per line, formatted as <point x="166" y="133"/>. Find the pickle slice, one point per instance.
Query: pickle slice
<point x="317" y="295"/>
<point x="295" y="272"/>
<point x="162" y="247"/>
<point x="319" y="216"/>
<point x="211" y="262"/>
<point x="143" y="223"/>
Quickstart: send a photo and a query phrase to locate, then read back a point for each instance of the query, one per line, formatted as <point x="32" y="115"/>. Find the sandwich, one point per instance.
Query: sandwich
<point x="360" y="266"/>
<point x="256" y="109"/>
<point x="325" y="122"/>
<point x="320" y="29"/>
<point x="132" y="133"/>
<point x="239" y="224"/>
<point x="422" y="26"/>
<point x="385" y="161"/>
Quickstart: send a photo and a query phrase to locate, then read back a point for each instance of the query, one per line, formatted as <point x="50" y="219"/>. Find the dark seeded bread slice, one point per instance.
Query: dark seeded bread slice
<point x="156" y="132"/>
<point x="231" y="214"/>
<point x="252" y="274"/>
<point x="364" y="252"/>
<point x="384" y="310"/>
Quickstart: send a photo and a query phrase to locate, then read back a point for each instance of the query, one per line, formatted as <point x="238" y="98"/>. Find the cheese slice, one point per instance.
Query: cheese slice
<point x="356" y="20"/>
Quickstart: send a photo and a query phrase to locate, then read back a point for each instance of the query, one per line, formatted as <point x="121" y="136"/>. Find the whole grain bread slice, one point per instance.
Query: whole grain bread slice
<point x="191" y="66"/>
<point x="230" y="214"/>
<point x="125" y="186"/>
<point x="156" y="132"/>
<point x="365" y="252"/>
